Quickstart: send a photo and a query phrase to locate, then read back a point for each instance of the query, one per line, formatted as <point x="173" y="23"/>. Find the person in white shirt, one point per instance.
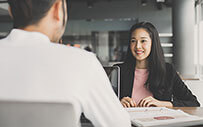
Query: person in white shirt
<point x="33" y="68"/>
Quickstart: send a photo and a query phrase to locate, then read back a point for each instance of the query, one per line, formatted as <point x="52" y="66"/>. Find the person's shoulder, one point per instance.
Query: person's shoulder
<point x="74" y="51"/>
<point x="3" y="41"/>
<point x="69" y="54"/>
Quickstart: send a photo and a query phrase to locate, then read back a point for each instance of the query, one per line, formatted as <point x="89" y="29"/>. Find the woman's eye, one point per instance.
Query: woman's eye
<point x="133" y="41"/>
<point x="143" y="41"/>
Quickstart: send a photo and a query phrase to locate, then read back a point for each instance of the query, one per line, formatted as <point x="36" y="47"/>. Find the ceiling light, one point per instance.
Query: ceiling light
<point x="90" y="4"/>
<point x="144" y="2"/>
<point x="161" y="1"/>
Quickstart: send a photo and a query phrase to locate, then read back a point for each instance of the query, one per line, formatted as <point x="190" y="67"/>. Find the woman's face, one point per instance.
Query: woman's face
<point x="141" y="44"/>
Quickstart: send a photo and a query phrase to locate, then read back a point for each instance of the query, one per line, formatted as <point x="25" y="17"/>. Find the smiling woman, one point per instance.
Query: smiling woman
<point x="140" y="44"/>
<point x="146" y="80"/>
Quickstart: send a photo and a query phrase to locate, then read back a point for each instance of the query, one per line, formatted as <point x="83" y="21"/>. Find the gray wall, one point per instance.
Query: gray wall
<point x="5" y="27"/>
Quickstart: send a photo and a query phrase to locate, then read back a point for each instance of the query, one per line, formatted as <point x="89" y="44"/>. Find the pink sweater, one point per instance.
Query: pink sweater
<point x="139" y="91"/>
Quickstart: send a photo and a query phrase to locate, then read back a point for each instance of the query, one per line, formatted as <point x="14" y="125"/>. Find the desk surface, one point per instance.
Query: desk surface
<point x="198" y="111"/>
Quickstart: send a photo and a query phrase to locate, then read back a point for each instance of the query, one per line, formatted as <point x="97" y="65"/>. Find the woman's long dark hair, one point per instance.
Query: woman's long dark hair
<point x="156" y="62"/>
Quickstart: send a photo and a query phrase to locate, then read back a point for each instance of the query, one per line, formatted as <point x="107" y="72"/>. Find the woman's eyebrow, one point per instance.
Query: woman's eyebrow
<point x="141" y="37"/>
<point x="144" y="37"/>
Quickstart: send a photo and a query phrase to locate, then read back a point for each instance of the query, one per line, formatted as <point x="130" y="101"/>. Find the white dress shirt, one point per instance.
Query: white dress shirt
<point x="32" y="68"/>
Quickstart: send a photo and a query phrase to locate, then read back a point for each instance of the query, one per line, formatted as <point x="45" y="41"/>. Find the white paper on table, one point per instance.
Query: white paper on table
<point x="159" y="116"/>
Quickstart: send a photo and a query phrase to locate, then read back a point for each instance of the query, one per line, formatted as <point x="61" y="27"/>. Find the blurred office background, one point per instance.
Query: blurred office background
<point x="103" y="25"/>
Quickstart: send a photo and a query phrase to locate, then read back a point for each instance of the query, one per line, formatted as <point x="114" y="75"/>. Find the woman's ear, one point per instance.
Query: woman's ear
<point x="9" y="11"/>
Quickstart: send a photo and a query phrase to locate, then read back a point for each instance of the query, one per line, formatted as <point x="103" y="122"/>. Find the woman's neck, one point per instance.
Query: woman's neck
<point x="142" y="64"/>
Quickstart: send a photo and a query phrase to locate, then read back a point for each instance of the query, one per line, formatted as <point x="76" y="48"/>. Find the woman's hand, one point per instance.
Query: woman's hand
<point x="128" y="102"/>
<point x="152" y="102"/>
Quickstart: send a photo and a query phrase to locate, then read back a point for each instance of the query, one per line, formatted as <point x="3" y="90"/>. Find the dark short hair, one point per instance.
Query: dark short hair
<point x="29" y="12"/>
<point x="156" y="68"/>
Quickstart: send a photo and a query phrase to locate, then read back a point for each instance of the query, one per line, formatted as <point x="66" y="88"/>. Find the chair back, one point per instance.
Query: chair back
<point x="113" y="72"/>
<point x="37" y="114"/>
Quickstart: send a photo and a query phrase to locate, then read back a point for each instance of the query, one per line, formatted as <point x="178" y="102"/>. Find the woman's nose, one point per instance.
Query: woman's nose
<point x="139" y="45"/>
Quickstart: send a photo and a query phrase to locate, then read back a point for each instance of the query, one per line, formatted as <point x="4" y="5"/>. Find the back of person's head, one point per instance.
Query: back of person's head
<point x="46" y="16"/>
<point x="29" y="12"/>
<point x="155" y="59"/>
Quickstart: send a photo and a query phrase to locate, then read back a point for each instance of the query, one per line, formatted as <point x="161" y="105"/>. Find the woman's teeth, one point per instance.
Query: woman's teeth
<point x="139" y="52"/>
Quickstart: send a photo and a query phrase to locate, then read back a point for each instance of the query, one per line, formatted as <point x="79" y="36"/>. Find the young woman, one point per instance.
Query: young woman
<point x="146" y="80"/>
